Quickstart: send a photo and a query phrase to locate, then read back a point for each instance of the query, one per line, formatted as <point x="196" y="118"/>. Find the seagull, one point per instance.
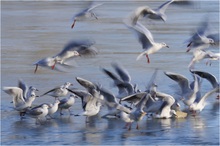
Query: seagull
<point x="110" y="100"/>
<point x="199" y="105"/>
<point x="91" y="107"/>
<point x="202" y="37"/>
<point x="155" y="14"/>
<point x="202" y="54"/>
<point x="122" y="80"/>
<point x="19" y="103"/>
<point x="38" y="112"/>
<point x="188" y="94"/>
<point x="53" y="108"/>
<point x="165" y="110"/>
<point x="85" y="13"/>
<point x="90" y="104"/>
<point x="136" y="114"/>
<point x="73" y="49"/>
<point x="60" y="91"/>
<point x="91" y="99"/>
<point x="210" y="77"/>
<point x="27" y="91"/>
<point x="66" y="103"/>
<point x="146" y="39"/>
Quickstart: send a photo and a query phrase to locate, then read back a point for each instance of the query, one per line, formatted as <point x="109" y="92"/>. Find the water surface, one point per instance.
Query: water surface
<point x="34" y="30"/>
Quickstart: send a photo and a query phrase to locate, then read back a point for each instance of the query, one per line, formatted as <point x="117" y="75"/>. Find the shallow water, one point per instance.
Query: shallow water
<point x="34" y="30"/>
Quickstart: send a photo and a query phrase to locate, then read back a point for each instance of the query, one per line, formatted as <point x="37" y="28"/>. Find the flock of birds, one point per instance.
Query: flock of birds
<point x="130" y="104"/>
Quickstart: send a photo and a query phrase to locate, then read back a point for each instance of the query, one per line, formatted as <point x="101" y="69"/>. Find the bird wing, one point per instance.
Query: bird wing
<point x="108" y="95"/>
<point x="162" y="8"/>
<point x="211" y="78"/>
<point x="181" y="80"/>
<point x="142" y="103"/>
<point x="122" y="72"/>
<point x="86" y="84"/>
<point x="81" y="46"/>
<point x="140" y="11"/>
<point x="152" y="80"/>
<point x="133" y="97"/>
<point x="24" y="87"/>
<point x="143" y="34"/>
<point x="84" y="95"/>
<point x="52" y="90"/>
<point x="16" y="93"/>
<point x="202" y="100"/>
<point x="93" y="6"/>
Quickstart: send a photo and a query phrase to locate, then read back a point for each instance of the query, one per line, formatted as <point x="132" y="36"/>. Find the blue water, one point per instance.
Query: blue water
<point x="33" y="30"/>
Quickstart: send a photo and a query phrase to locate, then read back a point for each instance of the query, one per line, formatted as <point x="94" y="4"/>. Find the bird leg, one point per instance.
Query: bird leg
<point x="126" y="125"/>
<point x="61" y="112"/>
<point x="137" y="127"/>
<point x="53" y="66"/>
<point x="148" y="59"/>
<point x="70" y="111"/>
<point x="36" y="68"/>
<point x="87" y="119"/>
<point x="73" y="24"/>
<point x="129" y="126"/>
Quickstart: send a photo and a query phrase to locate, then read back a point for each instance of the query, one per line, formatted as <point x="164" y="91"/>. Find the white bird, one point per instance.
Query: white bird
<point x="66" y="103"/>
<point x="91" y="107"/>
<point x="150" y="88"/>
<point x="38" y="112"/>
<point x="110" y="100"/>
<point x="122" y="81"/>
<point x="19" y="103"/>
<point x="199" y="105"/>
<point x="60" y="91"/>
<point x="155" y="14"/>
<point x="202" y="37"/>
<point x="53" y="108"/>
<point x="136" y="114"/>
<point x="91" y="102"/>
<point x="146" y="39"/>
<point x="85" y="13"/>
<point x="73" y="49"/>
<point x="199" y="55"/>
<point x="188" y="93"/>
<point x="165" y="110"/>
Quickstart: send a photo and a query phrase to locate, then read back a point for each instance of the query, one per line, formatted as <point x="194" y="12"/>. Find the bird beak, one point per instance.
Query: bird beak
<point x="167" y="46"/>
<point x="37" y="96"/>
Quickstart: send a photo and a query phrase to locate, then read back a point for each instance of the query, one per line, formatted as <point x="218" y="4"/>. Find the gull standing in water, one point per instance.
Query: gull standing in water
<point x="60" y="91"/>
<point x="38" y="112"/>
<point x="19" y="103"/>
<point x="91" y="102"/>
<point x="52" y="108"/>
<point x="72" y="49"/>
<point x="66" y="103"/>
<point x="154" y="14"/>
<point x="146" y="39"/>
<point x="85" y="13"/>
